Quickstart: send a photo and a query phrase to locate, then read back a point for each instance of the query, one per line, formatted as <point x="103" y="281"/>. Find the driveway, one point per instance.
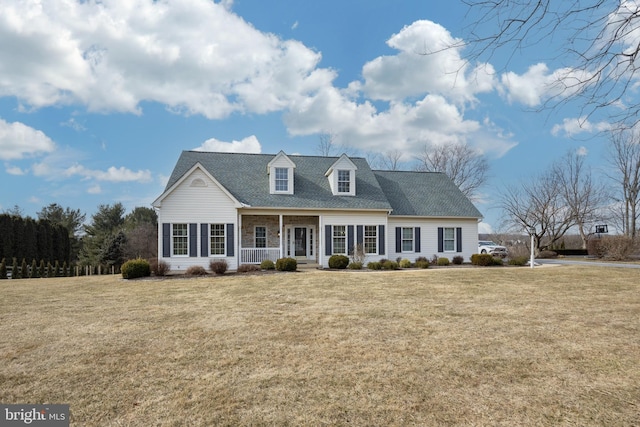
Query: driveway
<point x="591" y="263"/>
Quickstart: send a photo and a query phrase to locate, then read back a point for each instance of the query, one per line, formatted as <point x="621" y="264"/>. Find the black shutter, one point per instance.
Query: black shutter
<point x="193" y="240"/>
<point x="416" y="236"/>
<point x="360" y="235"/>
<point x="459" y="239"/>
<point x="204" y="240"/>
<point x="230" y="240"/>
<point x="327" y="240"/>
<point x="398" y="240"/>
<point x="381" y="244"/>
<point x="350" y="237"/>
<point x="166" y="240"/>
<point x="440" y="239"/>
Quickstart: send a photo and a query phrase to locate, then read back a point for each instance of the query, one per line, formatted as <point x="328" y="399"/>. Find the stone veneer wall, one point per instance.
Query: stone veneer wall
<point x="250" y="222"/>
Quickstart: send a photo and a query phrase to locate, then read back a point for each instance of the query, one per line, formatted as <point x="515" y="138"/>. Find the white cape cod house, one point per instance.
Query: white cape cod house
<point x="245" y="208"/>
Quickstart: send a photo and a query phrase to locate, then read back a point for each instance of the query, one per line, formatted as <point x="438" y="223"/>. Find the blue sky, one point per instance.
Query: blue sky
<point x="98" y="99"/>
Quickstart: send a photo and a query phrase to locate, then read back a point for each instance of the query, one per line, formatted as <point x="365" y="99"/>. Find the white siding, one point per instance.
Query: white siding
<point x="281" y="161"/>
<point x="191" y="202"/>
<point x="429" y="237"/>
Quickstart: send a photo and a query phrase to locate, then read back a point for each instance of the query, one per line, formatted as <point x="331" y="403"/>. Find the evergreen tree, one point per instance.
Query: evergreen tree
<point x="56" y="269"/>
<point x="15" y="272"/>
<point x="41" y="272"/>
<point x="106" y="223"/>
<point x="24" y="269"/>
<point x="6" y="236"/>
<point x="3" y="269"/>
<point x="34" y="269"/>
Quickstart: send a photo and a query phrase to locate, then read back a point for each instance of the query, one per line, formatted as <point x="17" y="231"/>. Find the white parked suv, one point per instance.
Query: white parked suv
<point x="488" y="247"/>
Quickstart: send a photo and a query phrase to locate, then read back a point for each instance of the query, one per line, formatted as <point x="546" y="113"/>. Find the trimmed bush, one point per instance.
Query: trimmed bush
<point x="443" y="261"/>
<point x="267" y="264"/>
<point x="135" y="268"/>
<point x="422" y="263"/>
<point x="196" y="270"/>
<point x="355" y="265"/>
<point x="483" y="260"/>
<point x="286" y="264"/>
<point x="497" y="261"/>
<point x="248" y="268"/>
<point x="405" y="263"/>
<point x="390" y="265"/>
<point x="374" y="265"/>
<point x="518" y="261"/>
<point x="338" y="261"/>
<point x="457" y="260"/>
<point x="218" y="266"/>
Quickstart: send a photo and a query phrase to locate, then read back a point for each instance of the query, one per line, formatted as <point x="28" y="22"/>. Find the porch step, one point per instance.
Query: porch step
<point x="308" y="266"/>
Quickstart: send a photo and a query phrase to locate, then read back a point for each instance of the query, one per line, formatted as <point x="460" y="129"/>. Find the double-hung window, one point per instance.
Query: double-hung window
<point x="340" y="239"/>
<point x="371" y="239"/>
<point x="282" y="179"/>
<point x="449" y="239"/>
<point x="344" y="181"/>
<point x="261" y="237"/>
<point x="180" y="239"/>
<point x="217" y="239"/>
<point x="407" y="239"/>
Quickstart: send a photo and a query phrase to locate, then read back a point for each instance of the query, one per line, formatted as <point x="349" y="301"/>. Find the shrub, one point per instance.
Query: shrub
<point x="135" y="268"/>
<point x="160" y="268"/>
<point x="422" y="263"/>
<point x="405" y="263"/>
<point x="248" y="268"/>
<point x="196" y="270"/>
<point x="497" y="261"/>
<point x="41" y="272"/>
<point x="421" y="259"/>
<point x="218" y="266"/>
<point x="338" y="261"/>
<point x="434" y="259"/>
<point x="457" y="260"/>
<point x="519" y="261"/>
<point x="355" y="265"/>
<point x="618" y="247"/>
<point x="267" y="264"/>
<point x="15" y="273"/>
<point x="390" y="265"/>
<point x="34" y="269"/>
<point x="443" y="261"/>
<point x="547" y="254"/>
<point x="286" y="264"/>
<point x="482" y="260"/>
<point x="374" y="265"/>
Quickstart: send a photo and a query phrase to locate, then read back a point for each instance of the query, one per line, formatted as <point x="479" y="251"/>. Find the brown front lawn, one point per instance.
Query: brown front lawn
<point x="477" y="346"/>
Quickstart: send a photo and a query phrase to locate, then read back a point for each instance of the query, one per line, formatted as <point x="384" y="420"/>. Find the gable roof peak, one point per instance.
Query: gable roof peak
<point x="279" y="157"/>
<point x="343" y="162"/>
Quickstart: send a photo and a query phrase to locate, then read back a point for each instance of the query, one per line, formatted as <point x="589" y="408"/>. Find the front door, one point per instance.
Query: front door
<point x="300" y="242"/>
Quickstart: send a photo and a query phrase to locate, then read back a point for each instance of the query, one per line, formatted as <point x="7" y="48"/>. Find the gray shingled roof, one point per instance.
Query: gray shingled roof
<point x="406" y="193"/>
<point x="428" y="194"/>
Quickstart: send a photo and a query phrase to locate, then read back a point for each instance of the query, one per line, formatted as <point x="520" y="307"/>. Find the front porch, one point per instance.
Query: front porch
<point x="277" y="236"/>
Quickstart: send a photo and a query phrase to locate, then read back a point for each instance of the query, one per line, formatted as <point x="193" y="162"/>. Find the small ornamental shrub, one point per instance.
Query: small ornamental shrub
<point x="482" y="260"/>
<point x="248" y="268"/>
<point x="34" y="269"/>
<point x="56" y="269"/>
<point x="519" y="261"/>
<point x="422" y="259"/>
<point x="218" y="266"/>
<point x="405" y="263"/>
<point x="286" y="264"/>
<point x="15" y="273"/>
<point x="547" y="254"/>
<point x="355" y="265"/>
<point x="50" y="272"/>
<point x="338" y="261"/>
<point x="497" y="261"/>
<point x="267" y="264"/>
<point x="135" y="268"/>
<point x="160" y="268"/>
<point x="457" y="260"/>
<point x="196" y="270"/>
<point x="390" y="265"/>
<point x="434" y="259"/>
<point x="422" y="263"/>
<point x="443" y="261"/>
<point x="3" y="269"/>
<point x="374" y="265"/>
<point x="41" y="270"/>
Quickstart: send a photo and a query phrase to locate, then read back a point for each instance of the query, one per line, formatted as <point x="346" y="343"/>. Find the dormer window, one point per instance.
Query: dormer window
<point x="282" y="179"/>
<point x="344" y="181"/>
<point x="280" y="170"/>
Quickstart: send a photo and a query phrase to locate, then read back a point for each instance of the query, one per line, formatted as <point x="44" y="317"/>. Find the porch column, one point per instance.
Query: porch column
<point x="239" y="240"/>
<point x="281" y="234"/>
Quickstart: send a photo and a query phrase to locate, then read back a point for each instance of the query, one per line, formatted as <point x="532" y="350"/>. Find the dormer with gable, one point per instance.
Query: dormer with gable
<point x="280" y="170"/>
<point x="342" y="177"/>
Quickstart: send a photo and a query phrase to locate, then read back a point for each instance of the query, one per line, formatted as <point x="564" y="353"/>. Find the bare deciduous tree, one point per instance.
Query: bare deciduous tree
<point x="598" y="38"/>
<point x="390" y="160"/>
<point x="624" y="158"/>
<point x="467" y="168"/>
<point x="584" y="198"/>
<point x="326" y="146"/>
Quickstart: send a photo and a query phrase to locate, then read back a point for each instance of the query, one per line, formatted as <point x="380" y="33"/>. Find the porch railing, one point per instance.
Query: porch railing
<point x="257" y="255"/>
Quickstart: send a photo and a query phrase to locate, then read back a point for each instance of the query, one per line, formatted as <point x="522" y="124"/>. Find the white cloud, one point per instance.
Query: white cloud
<point x="94" y="189"/>
<point x="249" y="144"/>
<point x="18" y="140"/>
<point x="112" y="174"/>
<point x="485" y="228"/>
<point x="14" y="170"/>
<point x="582" y="151"/>
<point x="574" y="126"/>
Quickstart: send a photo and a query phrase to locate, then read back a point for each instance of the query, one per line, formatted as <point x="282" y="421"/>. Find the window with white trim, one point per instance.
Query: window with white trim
<point x="261" y="237"/>
<point x="449" y="239"/>
<point x="282" y="179"/>
<point x="180" y="239"/>
<point x="407" y="239"/>
<point x="371" y="239"/>
<point x="217" y="239"/>
<point x="344" y="181"/>
<point x="340" y="239"/>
